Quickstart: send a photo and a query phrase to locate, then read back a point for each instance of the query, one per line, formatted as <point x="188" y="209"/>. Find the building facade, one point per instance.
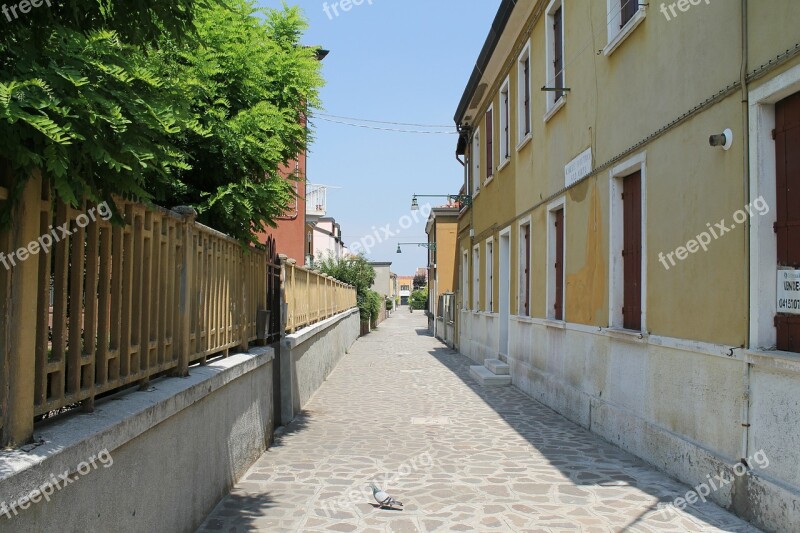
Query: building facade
<point x="632" y="244"/>
<point x="385" y="282"/>
<point x="442" y="230"/>
<point x="326" y="239"/>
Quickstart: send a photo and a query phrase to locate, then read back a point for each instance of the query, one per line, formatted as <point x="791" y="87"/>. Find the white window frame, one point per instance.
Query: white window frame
<point x="554" y="105"/>
<point x="488" y="303"/>
<point x="521" y="267"/>
<point x="616" y="285"/>
<point x="763" y="241"/>
<point x="475" y="157"/>
<point x="524" y="137"/>
<point x="505" y="124"/>
<point x="617" y="34"/>
<point x="476" y="277"/>
<point x="490" y="169"/>
<point x="554" y="206"/>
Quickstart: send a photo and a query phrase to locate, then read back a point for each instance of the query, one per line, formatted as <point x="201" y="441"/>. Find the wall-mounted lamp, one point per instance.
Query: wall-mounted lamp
<point x="465" y="199"/>
<point x="428" y="245"/>
<point x="724" y="139"/>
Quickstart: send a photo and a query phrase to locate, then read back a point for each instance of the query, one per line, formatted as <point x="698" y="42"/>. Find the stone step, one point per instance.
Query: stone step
<point x="496" y="366"/>
<point x="486" y="378"/>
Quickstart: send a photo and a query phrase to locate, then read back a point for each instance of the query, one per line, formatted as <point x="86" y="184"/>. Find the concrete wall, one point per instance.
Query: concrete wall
<point x="310" y="355"/>
<point x="175" y="450"/>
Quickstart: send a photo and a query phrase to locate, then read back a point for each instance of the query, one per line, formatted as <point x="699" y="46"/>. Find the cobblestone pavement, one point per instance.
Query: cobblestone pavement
<point x="402" y="411"/>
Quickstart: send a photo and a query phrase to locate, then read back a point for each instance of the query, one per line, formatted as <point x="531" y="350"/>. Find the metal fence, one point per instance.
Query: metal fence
<point x="91" y="307"/>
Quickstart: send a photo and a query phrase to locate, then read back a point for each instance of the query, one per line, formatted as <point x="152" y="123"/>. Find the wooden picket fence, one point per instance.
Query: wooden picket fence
<point x="109" y="306"/>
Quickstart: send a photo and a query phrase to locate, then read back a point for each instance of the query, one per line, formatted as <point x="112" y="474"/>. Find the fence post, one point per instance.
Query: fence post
<point x="187" y="290"/>
<point x="20" y="335"/>
<point x="286" y="363"/>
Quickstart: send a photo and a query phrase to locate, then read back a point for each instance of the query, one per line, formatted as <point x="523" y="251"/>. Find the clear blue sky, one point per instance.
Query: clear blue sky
<point x="400" y="61"/>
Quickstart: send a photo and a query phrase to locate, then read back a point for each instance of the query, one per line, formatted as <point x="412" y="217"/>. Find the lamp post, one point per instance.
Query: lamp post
<point x="428" y="245"/>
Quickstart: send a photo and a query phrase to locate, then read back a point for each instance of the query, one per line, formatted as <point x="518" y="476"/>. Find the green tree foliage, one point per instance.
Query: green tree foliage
<point x="419" y="299"/>
<point x="354" y="270"/>
<point x="184" y="102"/>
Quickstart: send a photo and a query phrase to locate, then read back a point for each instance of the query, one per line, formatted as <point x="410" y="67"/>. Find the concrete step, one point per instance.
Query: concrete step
<point x="486" y="378"/>
<point x="496" y="366"/>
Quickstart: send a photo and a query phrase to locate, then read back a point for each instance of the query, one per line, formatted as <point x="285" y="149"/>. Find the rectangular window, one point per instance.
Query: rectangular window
<point x="489" y="143"/>
<point x="525" y="270"/>
<point x="558" y="51"/>
<point x="476" y="162"/>
<point x="465" y="280"/>
<point x="505" y="115"/>
<point x="489" y="302"/>
<point x="558" y="267"/>
<point x="524" y="94"/>
<point x="787" y="226"/>
<point x="632" y="251"/>
<point x="476" y="278"/>
<point x="627" y="10"/>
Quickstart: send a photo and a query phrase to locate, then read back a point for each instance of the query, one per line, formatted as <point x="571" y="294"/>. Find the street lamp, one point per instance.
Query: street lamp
<point x="465" y="199"/>
<point x="428" y="245"/>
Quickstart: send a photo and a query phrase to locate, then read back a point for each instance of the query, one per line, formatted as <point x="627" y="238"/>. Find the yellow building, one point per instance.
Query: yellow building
<point x="442" y="230"/>
<point x="633" y="242"/>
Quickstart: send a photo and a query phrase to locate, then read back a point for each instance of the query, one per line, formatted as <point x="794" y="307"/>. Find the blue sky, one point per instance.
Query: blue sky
<point x="400" y="61"/>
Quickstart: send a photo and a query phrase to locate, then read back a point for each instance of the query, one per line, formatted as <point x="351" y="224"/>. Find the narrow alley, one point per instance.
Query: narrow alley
<point x="401" y="411"/>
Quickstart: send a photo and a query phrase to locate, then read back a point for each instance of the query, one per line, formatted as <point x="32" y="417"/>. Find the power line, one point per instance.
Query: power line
<point x="387" y="129"/>
<point x="450" y="126"/>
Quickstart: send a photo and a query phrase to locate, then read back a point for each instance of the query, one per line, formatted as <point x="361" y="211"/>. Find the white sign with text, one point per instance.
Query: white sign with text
<point x="578" y="168"/>
<point x="789" y="291"/>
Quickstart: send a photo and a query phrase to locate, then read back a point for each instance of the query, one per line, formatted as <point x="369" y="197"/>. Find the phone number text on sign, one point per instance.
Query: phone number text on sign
<point x="789" y="291"/>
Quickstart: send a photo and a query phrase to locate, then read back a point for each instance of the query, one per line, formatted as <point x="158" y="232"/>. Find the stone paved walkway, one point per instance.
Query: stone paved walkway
<point x="401" y="410"/>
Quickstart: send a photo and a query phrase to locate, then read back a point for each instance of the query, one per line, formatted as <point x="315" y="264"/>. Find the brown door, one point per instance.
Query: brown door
<point x="632" y="252"/>
<point x="559" y="266"/>
<point x="787" y="227"/>
<point x="526" y="231"/>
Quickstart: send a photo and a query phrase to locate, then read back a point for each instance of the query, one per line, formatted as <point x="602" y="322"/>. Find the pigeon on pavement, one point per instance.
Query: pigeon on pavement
<point x="384" y="499"/>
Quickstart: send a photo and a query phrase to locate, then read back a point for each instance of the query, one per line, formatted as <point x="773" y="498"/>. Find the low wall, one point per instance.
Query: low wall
<point x="310" y="355"/>
<point x="153" y="460"/>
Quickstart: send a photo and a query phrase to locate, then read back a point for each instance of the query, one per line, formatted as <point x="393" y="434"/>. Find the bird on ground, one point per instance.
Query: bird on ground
<point x="384" y="499"/>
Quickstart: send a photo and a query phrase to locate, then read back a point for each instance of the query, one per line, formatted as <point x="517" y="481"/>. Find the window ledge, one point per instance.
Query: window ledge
<point x="504" y="164"/>
<point x="523" y="319"/>
<point x="524" y="142"/>
<point x="553" y="323"/>
<point x="623" y="33"/>
<point x="555" y="108"/>
<point x="488" y="180"/>
<point x="774" y="359"/>
<point x="629" y="335"/>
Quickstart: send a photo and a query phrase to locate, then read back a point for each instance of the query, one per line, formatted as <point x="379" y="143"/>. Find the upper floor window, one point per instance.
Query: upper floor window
<point x="475" y="156"/>
<point x="555" y="54"/>
<point x="505" y="115"/>
<point x="489" y="143"/>
<point x="623" y="17"/>
<point x="524" y="94"/>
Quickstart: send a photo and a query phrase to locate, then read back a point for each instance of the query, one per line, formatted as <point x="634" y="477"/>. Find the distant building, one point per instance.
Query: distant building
<point x="442" y="231"/>
<point x="406" y="284"/>
<point x="385" y="282"/>
<point x="325" y="240"/>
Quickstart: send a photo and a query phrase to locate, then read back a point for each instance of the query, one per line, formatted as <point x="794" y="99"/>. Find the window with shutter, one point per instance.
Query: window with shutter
<point x="787" y="226"/>
<point x="632" y="251"/>
<point x="558" y="51"/>
<point x="559" y="265"/>
<point x="489" y="143"/>
<point x="628" y="10"/>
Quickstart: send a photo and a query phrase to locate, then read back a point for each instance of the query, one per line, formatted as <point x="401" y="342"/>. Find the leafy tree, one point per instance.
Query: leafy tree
<point x="420" y="281"/>
<point x="194" y="102"/>
<point x="249" y="84"/>
<point x="78" y="101"/>
<point x="354" y="270"/>
<point x="419" y="298"/>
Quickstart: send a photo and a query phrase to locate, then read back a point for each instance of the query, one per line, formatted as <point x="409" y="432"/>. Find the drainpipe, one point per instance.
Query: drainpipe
<point x="746" y="184"/>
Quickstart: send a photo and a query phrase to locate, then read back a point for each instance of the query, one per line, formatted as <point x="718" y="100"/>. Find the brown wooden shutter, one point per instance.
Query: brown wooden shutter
<point x="787" y="227"/>
<point x="526" y="230"/>
<point x="558" y="51"/>
<point x="629" y="9"/>
<point x="632" y="251"/>
<point x="507" y="124"/>
<point x="489" y="144"/>
<point x="559" y="266"/>
<point x="527" y="68"/>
